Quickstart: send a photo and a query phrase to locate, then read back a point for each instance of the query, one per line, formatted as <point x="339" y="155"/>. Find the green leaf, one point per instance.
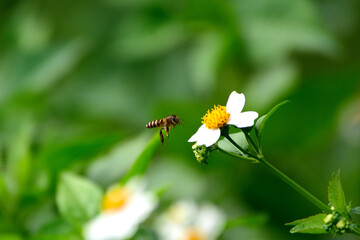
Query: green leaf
<point x="312" y="225"/>
<point x="355" y="210"/>
<point x="260" y="123"/>
<point x="159" y="192"/>
<point x="239" y="138"/>
<point x="122" y="155"/>
<point x="142" y="162"/>
<point x="355" y="214"/>
<point x="336" y="194"/>
<point x="56" y="226"/>
<point x="319" y="216"/>
<point x="78" y="199"/>
<point x="17" y="168"/>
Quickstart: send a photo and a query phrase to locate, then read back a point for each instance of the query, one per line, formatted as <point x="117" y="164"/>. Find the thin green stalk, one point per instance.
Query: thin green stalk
<point x="285" y="178"/>
<point x="236" y="155"/>
<point x="238" y="147"/>
<point x="295" y="186"/>
<point x="252" y="143"/>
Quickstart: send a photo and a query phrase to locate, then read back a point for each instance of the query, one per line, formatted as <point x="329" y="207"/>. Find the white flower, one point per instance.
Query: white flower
<point x="185" y="220"/>
<point x="209" y="132"/>
<point x="124" y="208"/>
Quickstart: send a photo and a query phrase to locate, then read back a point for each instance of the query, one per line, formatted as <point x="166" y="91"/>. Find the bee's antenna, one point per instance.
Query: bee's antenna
<point x="182" y="121"/>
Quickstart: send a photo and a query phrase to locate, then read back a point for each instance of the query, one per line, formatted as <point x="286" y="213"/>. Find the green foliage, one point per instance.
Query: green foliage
<point x="239" y="138"/>
<point x="76" y="89"/>
<point x="76" y="152"/>
<point x="355" y="210"/>
<point x="313" y="225"/>
<point x="355" y="214"/>
<point x="337" y="222"/>
<point x="122" y="155"/>
<point x="336" y="194"/>
<point x="142" y="162"/>
<point x="78" y="199"/>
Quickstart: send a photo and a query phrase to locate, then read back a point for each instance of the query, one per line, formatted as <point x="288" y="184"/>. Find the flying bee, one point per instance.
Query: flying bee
<point x="165" y="123"/>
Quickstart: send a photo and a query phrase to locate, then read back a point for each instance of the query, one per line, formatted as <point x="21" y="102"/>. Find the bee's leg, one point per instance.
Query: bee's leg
<point x="166" y="128"/>
<point x="161" y="137"/>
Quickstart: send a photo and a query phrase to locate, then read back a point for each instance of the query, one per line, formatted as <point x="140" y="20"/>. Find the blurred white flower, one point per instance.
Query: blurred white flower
<point x="187" y="221"/>
<point x="209" y="132"/>
<point x="123" y="209"/>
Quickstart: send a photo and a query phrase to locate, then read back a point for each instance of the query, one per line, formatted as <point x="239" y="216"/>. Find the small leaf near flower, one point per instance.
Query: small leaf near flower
<point x="78" y="199"/>
<point x="355" y="214"/>
<point x="260" y="123"/>
<point x="239" y="138"/>
<point x="317" y="216"/>
<point x="336" y="194"/>
<point x="355" y="210"/>
<point x="140" y="165"/>
<point x="312" y="225"/>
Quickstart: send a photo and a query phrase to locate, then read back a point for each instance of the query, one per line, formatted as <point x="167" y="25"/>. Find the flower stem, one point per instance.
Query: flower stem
<point x="227" y="136"/>
<point x="236" y="155"/>
<point x="285" y="178"/>
<point x="252" y="143"/>
<point x="295" y="186"/>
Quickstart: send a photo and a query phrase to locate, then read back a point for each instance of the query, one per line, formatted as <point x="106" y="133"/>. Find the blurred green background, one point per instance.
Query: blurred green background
<point x="80" y="79"/>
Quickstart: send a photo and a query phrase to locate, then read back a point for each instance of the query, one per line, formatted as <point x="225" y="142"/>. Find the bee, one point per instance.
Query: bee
<point x="165" y="123"/>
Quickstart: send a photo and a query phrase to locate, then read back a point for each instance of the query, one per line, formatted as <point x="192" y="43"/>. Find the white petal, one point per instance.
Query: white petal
<point x="109" y="226"/>
<point x="197" y="135"/>
<point x="174" y="223"/>
<point x="183" y="212"/>
<point x="139" y="207"/>
<point x="235" y="103"/>
<point x="169" y="231"/>
<point x="211" y="221"/>
<point x="123" y="223"/>
<point x="205" y="136"/>
<point x="244" y="119"/>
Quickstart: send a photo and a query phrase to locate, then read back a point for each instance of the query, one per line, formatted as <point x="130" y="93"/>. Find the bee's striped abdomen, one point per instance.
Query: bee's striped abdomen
<point x="155" y="123"/>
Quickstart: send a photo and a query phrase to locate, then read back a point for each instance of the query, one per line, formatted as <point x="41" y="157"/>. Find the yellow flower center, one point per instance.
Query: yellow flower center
<point x="195" y="234"/>
<point x="216" y="118"/>
<point x="115" y="198"/>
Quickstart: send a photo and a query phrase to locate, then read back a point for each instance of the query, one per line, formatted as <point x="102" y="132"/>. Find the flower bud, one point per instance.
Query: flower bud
<point x="341" y="224"/>
<point x="328" y="219"/>
<point x="201" y="152"/>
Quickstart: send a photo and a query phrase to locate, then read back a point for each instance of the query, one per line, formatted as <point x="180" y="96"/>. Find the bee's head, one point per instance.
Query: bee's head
<point x="175" y="119"/>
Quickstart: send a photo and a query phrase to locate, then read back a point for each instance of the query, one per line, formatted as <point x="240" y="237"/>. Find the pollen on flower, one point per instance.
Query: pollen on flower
<point x="216" y="118"/>
<point x="115" y="198"/>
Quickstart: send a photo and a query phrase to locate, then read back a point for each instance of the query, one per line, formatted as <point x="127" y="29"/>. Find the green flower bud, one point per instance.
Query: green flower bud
<point x="201" y="152"/>
<point x="328" y="219"/>
<point x="341" y="224"/>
